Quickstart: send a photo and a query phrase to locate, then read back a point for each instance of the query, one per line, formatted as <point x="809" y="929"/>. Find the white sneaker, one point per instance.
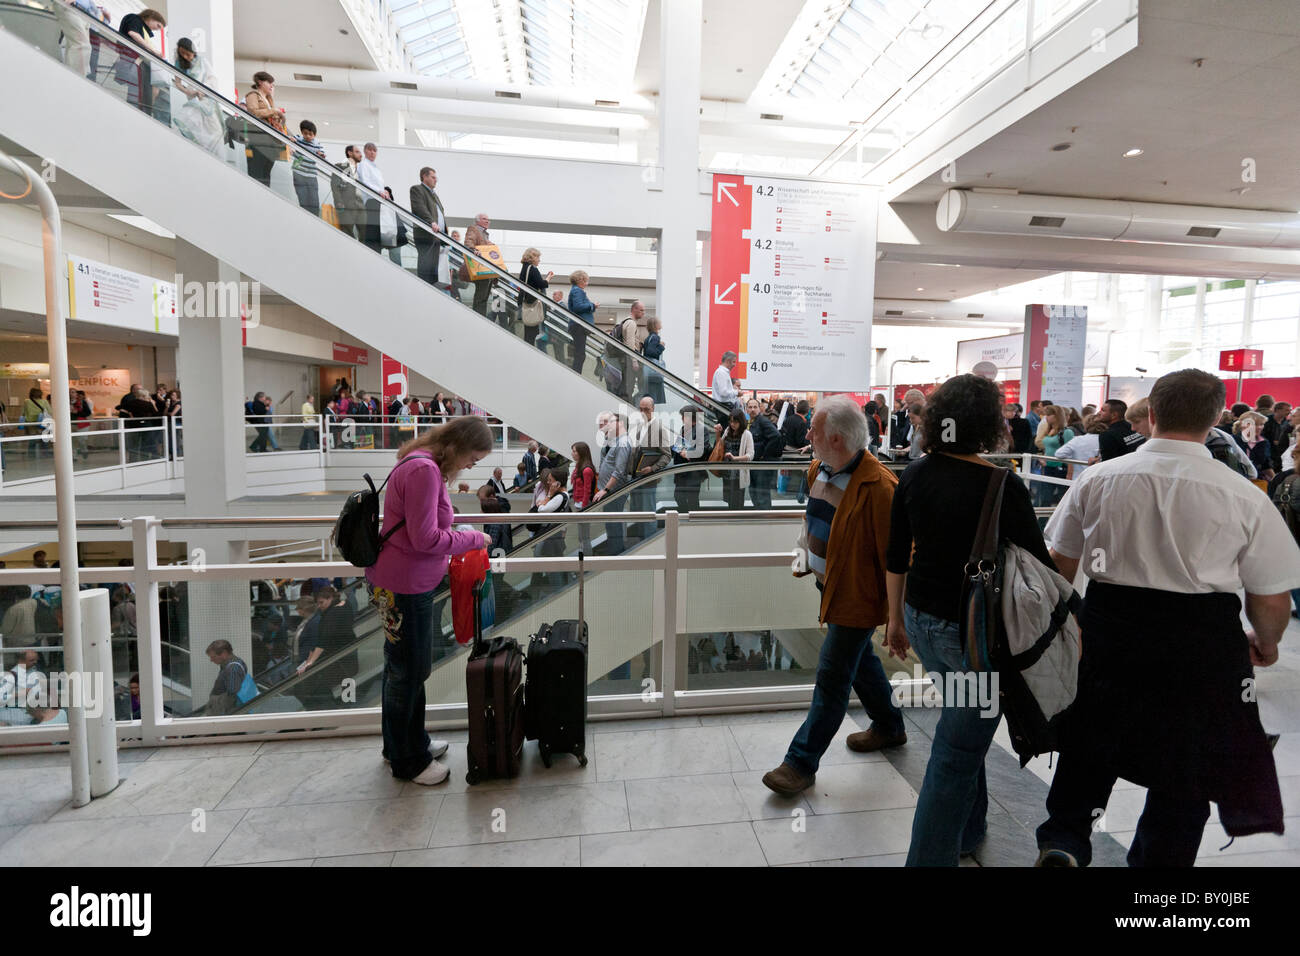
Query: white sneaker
<point x="433" y="774"/>
<point x="436" y="749"/>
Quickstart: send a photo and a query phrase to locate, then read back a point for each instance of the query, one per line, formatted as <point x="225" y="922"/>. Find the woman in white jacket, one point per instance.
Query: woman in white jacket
<point x="739" y="444"/>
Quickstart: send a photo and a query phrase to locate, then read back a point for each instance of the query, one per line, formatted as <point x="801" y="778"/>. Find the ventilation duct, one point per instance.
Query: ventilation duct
<point x="967" y="211"/>
<point x="1004" y="313"/>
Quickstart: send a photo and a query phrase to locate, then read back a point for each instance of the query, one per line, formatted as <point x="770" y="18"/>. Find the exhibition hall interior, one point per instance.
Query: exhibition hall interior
<point x="834" y="433"/>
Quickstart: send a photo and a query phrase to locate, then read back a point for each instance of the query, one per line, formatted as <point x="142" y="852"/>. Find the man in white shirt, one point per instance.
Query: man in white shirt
<point x="369" y="173"/>
<point x="498" y="482"/>
<point x="724" y="389"/>
<point x="1168" y="537"/>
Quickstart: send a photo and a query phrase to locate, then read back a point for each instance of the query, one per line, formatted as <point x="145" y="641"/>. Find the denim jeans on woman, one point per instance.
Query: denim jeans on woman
<point x="954" y="799"/>
<point x="847" y="663"/>
<point x="408" y="660"/>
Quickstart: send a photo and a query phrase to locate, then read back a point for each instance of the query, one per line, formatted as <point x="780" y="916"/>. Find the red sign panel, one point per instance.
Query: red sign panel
<point x="351" y="354"/>
<point x="1241" y="360"/>
<point x="394" y="382"/>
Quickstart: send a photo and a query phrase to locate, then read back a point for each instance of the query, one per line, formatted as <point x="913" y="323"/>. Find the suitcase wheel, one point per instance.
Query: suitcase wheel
<point x="546" y="756"/>
<point x="472" y="777"/>
<point x="582" y="760"/>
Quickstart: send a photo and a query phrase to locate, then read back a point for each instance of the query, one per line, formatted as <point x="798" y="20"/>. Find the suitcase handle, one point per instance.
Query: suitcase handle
<point x="477" y="646"/>
<point x="582" y="612"/>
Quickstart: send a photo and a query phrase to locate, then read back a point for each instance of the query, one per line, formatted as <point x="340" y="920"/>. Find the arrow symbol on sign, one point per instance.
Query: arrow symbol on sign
<point x="724" y="190"/>
<point x="1035" y="364"/>
<point x="719" y="297"/>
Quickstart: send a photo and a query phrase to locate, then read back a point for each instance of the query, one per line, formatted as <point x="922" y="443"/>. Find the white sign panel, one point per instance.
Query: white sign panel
<point x="112" y="296"/>
<point x="1005" y="351"/>
<point x="790" y="282"/>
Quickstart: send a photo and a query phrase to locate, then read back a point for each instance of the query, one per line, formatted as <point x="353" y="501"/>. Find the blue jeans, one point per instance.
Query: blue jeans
<point x="847" y="662"/>
<point x="954" y="798"/>
<point x="408" y="660"/>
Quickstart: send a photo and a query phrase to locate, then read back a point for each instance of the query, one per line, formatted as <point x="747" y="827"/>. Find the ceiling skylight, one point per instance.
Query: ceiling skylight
<point x="587" y="44"/>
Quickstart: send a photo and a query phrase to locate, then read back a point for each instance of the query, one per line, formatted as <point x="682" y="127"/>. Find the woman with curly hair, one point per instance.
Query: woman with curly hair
<point x="933" y="523"/>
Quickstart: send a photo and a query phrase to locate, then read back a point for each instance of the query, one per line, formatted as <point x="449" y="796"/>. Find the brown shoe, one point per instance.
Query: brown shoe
<point x="787" y="781"/>
<point x="868" y="741"/>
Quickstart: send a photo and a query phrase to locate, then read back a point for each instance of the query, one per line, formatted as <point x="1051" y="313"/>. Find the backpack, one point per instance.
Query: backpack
<point x="1019" y="620"/>
<point x="1217" y="442"/>
<point x="1286" y="498"/>
<point x="612" y="351"/>
<point x="356" y="532"/>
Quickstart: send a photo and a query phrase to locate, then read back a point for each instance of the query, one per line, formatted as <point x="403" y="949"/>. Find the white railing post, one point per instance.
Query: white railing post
<point x="121" y="449"/>
<point x="101" y="731"/>
<point x="668" y="664"/>
<point x="144" y="557"/>
<point x="321" y="432"/>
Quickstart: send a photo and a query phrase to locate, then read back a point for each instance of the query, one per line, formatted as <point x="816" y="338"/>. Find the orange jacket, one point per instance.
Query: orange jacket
<point x="853" y="592"/>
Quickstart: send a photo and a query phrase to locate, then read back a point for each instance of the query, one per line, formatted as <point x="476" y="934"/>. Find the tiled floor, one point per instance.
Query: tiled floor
<point x="686" y="791"/>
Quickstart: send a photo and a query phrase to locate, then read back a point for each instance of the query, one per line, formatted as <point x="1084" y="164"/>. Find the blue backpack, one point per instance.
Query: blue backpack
<point x="247" y="688"/>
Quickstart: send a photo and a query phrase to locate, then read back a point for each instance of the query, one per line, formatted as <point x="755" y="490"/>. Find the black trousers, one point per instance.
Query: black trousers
<point x="1168" y="833"/>
<point x="426" y="265"/>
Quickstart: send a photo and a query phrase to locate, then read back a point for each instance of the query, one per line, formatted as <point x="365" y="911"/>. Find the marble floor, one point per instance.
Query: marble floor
<point x="684" y="791"/>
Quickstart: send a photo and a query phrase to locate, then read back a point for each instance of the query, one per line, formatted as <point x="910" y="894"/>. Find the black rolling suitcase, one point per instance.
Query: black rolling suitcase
<point x="495" y="701"/>
<point x="556" y="691"/>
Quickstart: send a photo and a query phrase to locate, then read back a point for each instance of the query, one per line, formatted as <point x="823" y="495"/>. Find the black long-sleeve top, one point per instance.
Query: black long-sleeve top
<point x="937" y="508"/>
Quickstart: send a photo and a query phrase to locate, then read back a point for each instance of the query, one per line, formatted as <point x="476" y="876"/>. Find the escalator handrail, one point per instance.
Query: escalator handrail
<point x="619" y="496"/>
<point x="550" y="306"/>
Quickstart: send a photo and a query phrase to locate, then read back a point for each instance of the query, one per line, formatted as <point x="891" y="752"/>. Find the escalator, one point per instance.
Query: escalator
<point x="169" y="155"/>
<point x="521" y="596"/>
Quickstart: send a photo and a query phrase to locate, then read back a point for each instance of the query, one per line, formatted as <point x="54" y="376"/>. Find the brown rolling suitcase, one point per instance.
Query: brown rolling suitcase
<point x="495" y="700"/>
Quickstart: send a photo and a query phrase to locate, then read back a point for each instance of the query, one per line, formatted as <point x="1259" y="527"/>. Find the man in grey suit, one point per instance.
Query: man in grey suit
<point x="427" y="207"/>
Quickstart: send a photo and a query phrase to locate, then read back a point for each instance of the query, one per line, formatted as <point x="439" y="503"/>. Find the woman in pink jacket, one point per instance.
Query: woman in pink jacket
<point x="411" y="565"/>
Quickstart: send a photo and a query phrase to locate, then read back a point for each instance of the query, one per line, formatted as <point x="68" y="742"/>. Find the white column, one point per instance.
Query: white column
<point x="680" y="27"/>
<point x="210" y="370"/>
<point x="210" y="24"/>
<point x="392" y="128"/>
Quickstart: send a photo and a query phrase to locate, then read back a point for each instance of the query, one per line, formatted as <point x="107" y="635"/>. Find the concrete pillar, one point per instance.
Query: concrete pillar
<point x="680" y="29"/>
<point x="211" y="25"/>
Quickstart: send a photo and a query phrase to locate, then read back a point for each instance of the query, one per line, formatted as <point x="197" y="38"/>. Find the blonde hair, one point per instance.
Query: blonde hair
<point x="653" y="324"/>
<point x="531" y="256"/>
<point x="1139" y="411"/>
<point x="1254" y="417"/>
<point x="448" y="442"/>
<point x="1062" y="422"/>
<point x="578" y="277"/>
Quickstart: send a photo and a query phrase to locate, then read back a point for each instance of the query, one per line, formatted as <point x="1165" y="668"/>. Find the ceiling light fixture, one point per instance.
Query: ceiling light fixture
<point x="1135" y="151"/>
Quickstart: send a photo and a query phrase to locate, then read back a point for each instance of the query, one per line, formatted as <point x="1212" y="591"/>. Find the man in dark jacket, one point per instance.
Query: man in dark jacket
<point x="427" y="207"/>
<point x="259" y="416"/>
<point x="768" y="446"/>
<point x="1277" y="432"/>
<point x="1119" y="438"/>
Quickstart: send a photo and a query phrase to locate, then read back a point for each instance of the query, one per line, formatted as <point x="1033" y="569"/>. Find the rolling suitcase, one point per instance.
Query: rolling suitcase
<point x="556" y="691"/>
<point x="495" y="703"/>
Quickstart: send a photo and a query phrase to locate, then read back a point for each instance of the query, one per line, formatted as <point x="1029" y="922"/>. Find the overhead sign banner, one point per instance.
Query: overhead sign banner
<point x="1054" y="346"/>
<point x="1241" y="360"/>
<point x="351" y="354"/>
<point x="112" y="296"/>
<point x="790" y="283"/>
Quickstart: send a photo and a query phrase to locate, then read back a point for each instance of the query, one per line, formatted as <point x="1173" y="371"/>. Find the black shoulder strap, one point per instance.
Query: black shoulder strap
<point x="401" y="523"/>
<point x="986" y="537"/>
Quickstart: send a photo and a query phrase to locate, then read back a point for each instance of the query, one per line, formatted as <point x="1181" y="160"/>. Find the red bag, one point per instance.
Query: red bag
<point x="467" y="570"/>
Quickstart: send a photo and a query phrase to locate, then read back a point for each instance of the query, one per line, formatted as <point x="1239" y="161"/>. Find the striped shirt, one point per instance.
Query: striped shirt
<point x="823" y="499"/>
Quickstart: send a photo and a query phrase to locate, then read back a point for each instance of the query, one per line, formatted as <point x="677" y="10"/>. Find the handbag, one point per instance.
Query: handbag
<point x="718" y="454"/>
<point x="531" y="311"/>
<point x="981" y="592"/>
<point x="477" y="270"/>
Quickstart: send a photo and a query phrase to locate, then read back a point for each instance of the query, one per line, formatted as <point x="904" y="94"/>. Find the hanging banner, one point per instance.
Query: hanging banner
<point x="1054" y="346"/>
<point x="111" y="296"/>
<point x="790" y="283"/>
<point x="1007" y="352"/>
<point x="394" y="382"/>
